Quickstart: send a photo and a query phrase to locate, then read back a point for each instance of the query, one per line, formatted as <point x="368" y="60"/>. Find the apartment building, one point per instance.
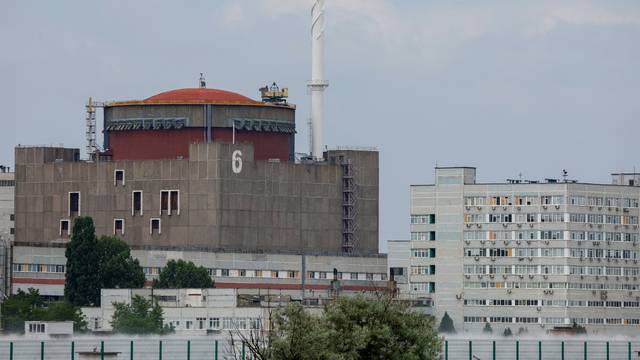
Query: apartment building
<point x="7" y="226"/>
<point x="528" y="254"/>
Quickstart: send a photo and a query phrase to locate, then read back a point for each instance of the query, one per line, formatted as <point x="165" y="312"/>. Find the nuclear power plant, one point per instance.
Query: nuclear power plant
<point x="210" y="176"/>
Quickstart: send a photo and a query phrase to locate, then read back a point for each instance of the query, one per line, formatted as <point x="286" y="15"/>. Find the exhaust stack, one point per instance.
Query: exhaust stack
<point x="317" y="83"/>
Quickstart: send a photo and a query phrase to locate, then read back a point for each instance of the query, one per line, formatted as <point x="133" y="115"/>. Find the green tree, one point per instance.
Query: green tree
<point x="20" y="307"/>
<point x="487" y="328"/>
<point x="182" y="274"/>
<point x="117" y="268"/>
<point x="364" y="328"/>
<point x="507" y="332"/>
<point x="82" y="278"/>
<point x="578" y="329"/>
<point x="446" y="325"/>
<point x="29" y="306"/>
<point x="350" y="328"/>
<point x="141" y="317"/>
<point x="94" y="264"/>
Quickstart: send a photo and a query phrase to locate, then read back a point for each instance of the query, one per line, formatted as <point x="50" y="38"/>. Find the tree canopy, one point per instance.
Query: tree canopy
<point x="349" y="328"/>
<point x="29" y="306"/>
<point x="97" y="263"/>
<point x="446" y="325"/>
<point x="141" y="317"/>
<point x="487" y="328"/>
<point x="179" y="274"/>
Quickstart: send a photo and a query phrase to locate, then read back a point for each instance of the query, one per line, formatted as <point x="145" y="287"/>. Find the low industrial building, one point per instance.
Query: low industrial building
<point x="525" y="254"/>
<point x="7" y="227"/>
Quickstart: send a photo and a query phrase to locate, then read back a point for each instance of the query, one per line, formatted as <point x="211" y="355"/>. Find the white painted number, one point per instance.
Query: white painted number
<point x="236" y="161"/>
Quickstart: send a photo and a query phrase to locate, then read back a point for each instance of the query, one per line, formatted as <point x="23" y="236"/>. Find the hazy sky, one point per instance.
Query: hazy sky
<point x="509" y="87"/>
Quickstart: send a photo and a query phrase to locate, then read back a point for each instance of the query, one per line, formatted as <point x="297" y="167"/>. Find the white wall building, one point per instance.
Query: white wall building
<point x="527" y="254"/>
<point x="7" y="226"/>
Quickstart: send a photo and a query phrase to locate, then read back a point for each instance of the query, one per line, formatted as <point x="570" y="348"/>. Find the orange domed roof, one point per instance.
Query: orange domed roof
<point x="200" y="95"/>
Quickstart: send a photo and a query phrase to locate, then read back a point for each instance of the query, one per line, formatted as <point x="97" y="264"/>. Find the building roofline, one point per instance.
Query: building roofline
<point x="456" y="167"/>
<point x="540" y="183"/>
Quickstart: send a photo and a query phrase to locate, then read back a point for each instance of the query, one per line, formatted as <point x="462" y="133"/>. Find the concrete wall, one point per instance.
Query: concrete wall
<point x="267" y="206"/>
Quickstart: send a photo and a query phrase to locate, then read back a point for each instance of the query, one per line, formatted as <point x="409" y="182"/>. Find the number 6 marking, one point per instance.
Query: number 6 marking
<point x="236" y="161"/>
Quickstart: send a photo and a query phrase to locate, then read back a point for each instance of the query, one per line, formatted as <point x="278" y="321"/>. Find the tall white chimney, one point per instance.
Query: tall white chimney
<point x="317" y="83"/>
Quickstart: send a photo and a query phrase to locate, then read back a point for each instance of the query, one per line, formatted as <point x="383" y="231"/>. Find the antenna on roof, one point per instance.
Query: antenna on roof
<point x="565" y="173"/>
<point x="203" y="83"/>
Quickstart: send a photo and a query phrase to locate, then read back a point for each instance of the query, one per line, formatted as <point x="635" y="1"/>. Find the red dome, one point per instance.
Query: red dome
<point x="200" y="95"/>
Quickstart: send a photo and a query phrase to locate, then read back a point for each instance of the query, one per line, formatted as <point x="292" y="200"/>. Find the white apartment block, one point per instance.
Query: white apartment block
<point x="7" y="226"/>
<point x="527" y="254"/>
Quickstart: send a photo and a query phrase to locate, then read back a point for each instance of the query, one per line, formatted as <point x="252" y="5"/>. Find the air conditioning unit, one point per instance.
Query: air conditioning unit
<point x="479" y="276"/>
<point x="546" y="242"/>
<point x="468" y="207"/>
<point x="519" y="225"/>
<point x="468" y="225"/>
<point x="504" y="208"/>
<point x="479" y="225"/>
<point x="550" y="291"/>
<point x="545" y="276"/>
<point x="521" y="276"/>
<point x="504" y="225"/>
<point x="528" y="241"/>
<point x="477" y="257"/>
<point x="544" y="207"/>
<point x="518" y="242"/>
<point x="530" y="276"/>
<point x="504" y="276"/>
<point x="518" y="208"/>
<point x="539" y="308"/>
<point x="531" y="225"/>
<point x="493" y="258"/>
<point x="491" y="276"/>
<point x="508" y="291"/>
<point x="530" y="258"/>
<point x="557" y="206"/>
<point x="506" y="242"/>
<point x="479" y="207"/>
<point x="467" y="242"/>
<point x="493" y="208"/>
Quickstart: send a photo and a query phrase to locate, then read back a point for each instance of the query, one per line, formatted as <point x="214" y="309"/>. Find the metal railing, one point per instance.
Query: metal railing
<point x="568" y="349"/>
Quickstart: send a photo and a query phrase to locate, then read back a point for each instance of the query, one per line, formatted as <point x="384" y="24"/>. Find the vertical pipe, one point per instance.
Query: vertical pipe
<point x="562" y="351"/>
<point x="494" y="350"/>
<point x="41" y="350"/>
<point x="243" y="351"/>
<point x="446" y="350"/>
<point x="607" y="350"/>
<point x="131" y="350"/>
<point x="102" y="350"/>
<point x="160" y="350"/>
<point x="11" y="350"/>
<point x="188" y="349"/>
<point x="470" y="350"/>
<point x="517" y="350"/>
<point x="73" y="350"/>
<point x="584" y="351"/>
<point x="215" y="350"/>
<point x="629" y="350"/>
<point x="539" y="350"/>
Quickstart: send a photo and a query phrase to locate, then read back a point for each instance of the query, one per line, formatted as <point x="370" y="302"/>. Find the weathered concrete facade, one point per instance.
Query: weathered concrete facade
<point x="225" y="200"/>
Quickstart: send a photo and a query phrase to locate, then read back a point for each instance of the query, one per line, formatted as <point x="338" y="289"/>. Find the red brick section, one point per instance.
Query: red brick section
<point x="153" y="144"/>
<point x="266" y="145"/>
<point x="17" y="280"/>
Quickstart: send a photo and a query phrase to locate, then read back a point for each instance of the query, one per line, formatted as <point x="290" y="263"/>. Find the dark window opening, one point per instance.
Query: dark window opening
<point x="12" y="231"/>
<point x="64" y="227"/>
<point x="174" y="202"/>
<point x="118" y="227"/>
<point x="155" y="226"/>
<point x="119" y="177"/>
<point x="74" y="204"/>
<point x="164" y="201"/>
<point x="137" y="202"/>
<point x="12" y="217"/>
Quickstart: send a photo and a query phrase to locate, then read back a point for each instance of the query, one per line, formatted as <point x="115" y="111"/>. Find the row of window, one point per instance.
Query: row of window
<point x="540" y="302"/>
<point x="551" y="320"/>
<point x="528" y="200"/>
<point x="423" y="219"/>
<point x="282" y="274"/>
<point x="550" y="270"/>
<point x="548" y="285"/>
<point x="423" y="270"/>
<point x="550" y="217"/>
<point x="155" y="227"/>
<point x="169" y="203"/>
<point x="590" y="253"/>
<point x="550" y="235"/>
<point x="428" y="287"/>
<point x="423" y="235"/>
<point x="216" y="323"/>
<point x="38" y="268"/>
<point x="423" y="253"/>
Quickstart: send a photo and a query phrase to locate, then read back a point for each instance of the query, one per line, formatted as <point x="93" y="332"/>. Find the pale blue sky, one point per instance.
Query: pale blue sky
<point x="529" y="87"/>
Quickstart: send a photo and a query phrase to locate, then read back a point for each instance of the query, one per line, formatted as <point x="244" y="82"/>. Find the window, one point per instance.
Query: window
<point x="74" y="204"/>
<point x="214" y="323"/>
<point x="136" y="203"/>
<point x="170" y="202"/>
<point x="12" y="217"/>
<point x="118" y="227"/>
<point x="12" y="231"/>
<point x="118" y="177"/>
<point x="154" y="226"/>
<point x="64" y="227"/>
